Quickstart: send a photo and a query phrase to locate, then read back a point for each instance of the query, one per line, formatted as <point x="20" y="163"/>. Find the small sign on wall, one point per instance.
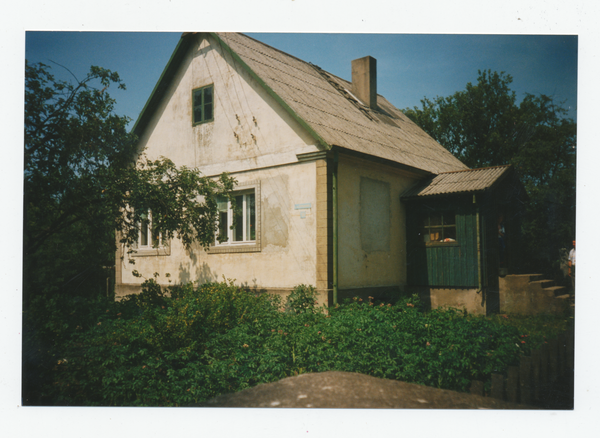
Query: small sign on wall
<point x="303" y="209"/>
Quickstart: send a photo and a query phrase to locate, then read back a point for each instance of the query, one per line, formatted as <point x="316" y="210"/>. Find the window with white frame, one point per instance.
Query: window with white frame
<point x="149" y="241"/>
<point x="148" y="238"/>
<point x="237" y="220"/>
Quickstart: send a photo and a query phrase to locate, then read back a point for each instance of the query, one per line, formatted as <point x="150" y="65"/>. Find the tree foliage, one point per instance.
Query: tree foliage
<point x="484" y="125"/>
<point x="85" y="179"/>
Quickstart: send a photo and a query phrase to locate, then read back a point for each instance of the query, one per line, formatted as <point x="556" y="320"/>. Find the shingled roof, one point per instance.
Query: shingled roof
<point x="324" y="104"/>
<point x="465" y="181"/>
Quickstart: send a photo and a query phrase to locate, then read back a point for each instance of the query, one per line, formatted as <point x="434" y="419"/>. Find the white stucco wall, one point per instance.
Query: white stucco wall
<point x="288" y="254"/>
<point x="365" y="258"/>
<point x="264" y="150"/>
<point x="266" y="134"/>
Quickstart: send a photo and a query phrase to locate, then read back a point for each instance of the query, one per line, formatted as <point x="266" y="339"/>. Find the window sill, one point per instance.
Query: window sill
<point x="203" y="122"/>
<point x="437" y="244"/>
<point x="223" y="249"/>
<point x="151" y="252"/>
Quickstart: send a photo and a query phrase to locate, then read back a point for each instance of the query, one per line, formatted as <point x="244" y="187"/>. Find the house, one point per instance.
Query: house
<point x="333" y="180"/>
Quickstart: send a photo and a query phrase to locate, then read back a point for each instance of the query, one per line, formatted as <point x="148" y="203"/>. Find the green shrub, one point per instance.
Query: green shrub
<point x="180" y="346"/>
<point x="302" y="299"/>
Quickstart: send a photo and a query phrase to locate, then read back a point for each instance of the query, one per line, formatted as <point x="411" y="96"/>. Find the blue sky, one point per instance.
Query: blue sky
<point x="409" y="66"/>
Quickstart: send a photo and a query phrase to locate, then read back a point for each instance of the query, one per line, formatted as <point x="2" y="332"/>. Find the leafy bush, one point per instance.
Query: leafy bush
<point x="180" y="346"/>
<point x="302" y="299"/>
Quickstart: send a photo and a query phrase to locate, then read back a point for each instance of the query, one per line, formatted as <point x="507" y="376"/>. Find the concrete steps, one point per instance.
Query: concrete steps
<point x="531" y="294"/>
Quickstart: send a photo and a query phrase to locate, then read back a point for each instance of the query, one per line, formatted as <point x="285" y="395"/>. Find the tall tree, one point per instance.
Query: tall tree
<point x="85" y="179"/>
<point x="484" y="125"/>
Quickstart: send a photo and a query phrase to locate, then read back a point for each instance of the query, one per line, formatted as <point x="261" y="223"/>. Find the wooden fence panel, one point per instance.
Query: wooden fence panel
<point x="538" y="377"/>
<point x="536" y="371"/>
<point x="512" y="385"/>
<point x="497" y="390"/>
<point x="553" y="365"/>
<point x="477" y="387"/>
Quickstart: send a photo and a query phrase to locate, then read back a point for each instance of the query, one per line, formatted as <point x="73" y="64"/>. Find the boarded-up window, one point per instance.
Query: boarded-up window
<point x="374" y="215"/>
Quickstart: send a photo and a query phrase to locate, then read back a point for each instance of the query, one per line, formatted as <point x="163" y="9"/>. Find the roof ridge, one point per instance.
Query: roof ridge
<point x="270" y="47"/>
<point x="222" y="34"/>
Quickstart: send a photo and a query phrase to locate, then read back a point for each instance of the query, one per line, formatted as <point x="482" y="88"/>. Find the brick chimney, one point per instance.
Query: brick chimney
<point x="364" y="80"/>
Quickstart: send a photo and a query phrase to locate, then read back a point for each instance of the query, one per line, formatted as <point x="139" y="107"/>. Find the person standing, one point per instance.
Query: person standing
<point x="572" y="266"/>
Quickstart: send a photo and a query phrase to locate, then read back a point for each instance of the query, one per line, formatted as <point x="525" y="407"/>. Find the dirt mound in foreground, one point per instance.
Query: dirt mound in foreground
<point x="336" y="389"/>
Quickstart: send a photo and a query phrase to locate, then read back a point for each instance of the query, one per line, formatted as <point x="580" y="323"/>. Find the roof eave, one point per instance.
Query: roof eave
<point x="380" y="160"/>
<point x="161" y="85"/>
<point x="442" y="195"/>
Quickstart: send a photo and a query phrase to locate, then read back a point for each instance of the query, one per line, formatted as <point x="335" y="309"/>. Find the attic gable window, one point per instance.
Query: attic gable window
<point x="439" y="227"/>
<point x="202" y="101"/>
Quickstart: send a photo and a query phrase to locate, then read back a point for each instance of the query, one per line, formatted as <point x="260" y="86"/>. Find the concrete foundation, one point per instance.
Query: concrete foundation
<point x="471" y="300"/>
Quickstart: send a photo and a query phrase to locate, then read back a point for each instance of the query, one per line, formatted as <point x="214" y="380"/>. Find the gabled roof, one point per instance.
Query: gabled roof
<point x="465" y="181"/>
<point x="325" y="106"/>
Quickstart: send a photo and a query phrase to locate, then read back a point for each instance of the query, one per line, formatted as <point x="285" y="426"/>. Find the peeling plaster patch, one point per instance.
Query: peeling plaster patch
<point x="275" y="218"/>
<point x="374" y="215"/>
<point x="276" y="227"/>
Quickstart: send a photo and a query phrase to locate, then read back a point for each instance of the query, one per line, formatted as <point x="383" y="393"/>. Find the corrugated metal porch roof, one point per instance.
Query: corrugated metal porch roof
<point x="463" y="181"/>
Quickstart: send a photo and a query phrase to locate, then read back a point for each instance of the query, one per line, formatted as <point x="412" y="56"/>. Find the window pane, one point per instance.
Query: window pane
<point x="222" y="207"/>
<point x="449" y="219"/>
<point x="250" y="217"/>
<point x="450" y="233"/>
<point x="208" y="94"/>
<point x="238" y="231"/>
<point x="221" y="203"/>
<point x="197" y="114"/>
<point x="144" y="232"/>
<point x="223" y="225"/>
<point x="436" y="219"/>
<point x="208" y="113"/>
<point x="197" y="98"/>
<point x="435" y="234"/>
